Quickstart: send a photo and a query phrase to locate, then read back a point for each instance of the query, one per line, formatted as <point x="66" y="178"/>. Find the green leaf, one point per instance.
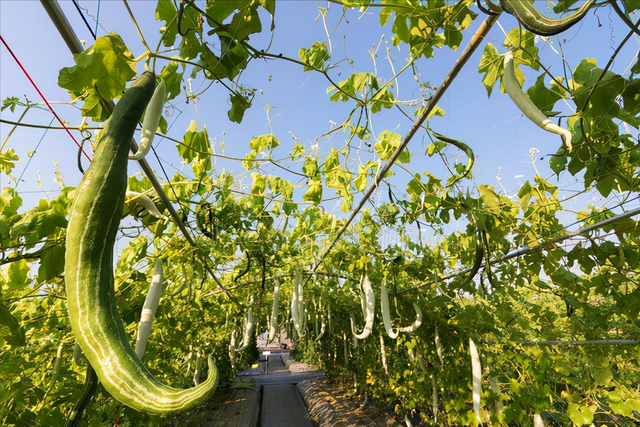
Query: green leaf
<point x="490" y="198"/>
<point x="387" y="144"/>
<point x="51" y="263"/>
<point x="491" y="65"/>
<point x="310" y="168"/>
<point x="194" y="144"/>
<point x="543" y="97"/>
<point x="297" y="151"/>
<point x="15" y="275"/>
<point x="314" y="191"/>
<point x="7" y="161"/>
<point x="166" y="11"/>
<point x="239" y="104"/>
<point x="10" y="103"/>
<point x="360" y="182"/>
<point x="558" y="162"/>
<point x="621" y="404"/>
<point x="263" y="142"/>
<point x="579" y="414"/>
<point x="528" y="52"/>
<point x="101" y="73"/>
<point x="315" y="57"/>
<point x="172" y="79"/>
<point x="10" y="202"/>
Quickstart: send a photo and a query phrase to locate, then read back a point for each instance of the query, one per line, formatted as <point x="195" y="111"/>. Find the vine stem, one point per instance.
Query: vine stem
<point x="457" y="66"/>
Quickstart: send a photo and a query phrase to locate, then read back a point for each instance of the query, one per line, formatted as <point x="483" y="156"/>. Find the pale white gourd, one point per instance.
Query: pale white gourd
<point x="149" y="308"/>
<point x="196" y="373"/>
<point x="416" y="324"/>
<point x="383" y="354"/>
<point x="133" y="198"/>
<point x="370" y="302"/>
<point x="439" y="347"/>
<point x="476" y="372"/>
<point x="496" y="389"/>
<point x="151" y="121"/>
<point x="273" y="323"/>
<point x="384" y="308"/>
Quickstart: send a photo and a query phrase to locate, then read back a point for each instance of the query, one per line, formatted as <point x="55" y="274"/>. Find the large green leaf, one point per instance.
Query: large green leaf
<point x="101" y="73"/>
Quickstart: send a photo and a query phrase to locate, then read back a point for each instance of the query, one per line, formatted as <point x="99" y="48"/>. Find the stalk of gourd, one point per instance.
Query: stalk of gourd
<point x="196" y="372"/>
<point x="273" y="322"/>
<point x="370" y="302"/>
<point x="476" y="372"/>
<point x="149" y="308"/>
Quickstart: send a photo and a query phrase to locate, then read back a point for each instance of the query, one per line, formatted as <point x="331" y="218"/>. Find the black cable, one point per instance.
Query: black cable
<point x="75" y="3"/>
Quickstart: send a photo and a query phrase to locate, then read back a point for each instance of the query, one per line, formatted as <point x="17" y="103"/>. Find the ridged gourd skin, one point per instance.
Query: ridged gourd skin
<point x="537" y="23"/>
<point x="91" y="302"/>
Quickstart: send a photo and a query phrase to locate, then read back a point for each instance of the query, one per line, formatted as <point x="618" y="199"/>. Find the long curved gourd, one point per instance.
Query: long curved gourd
<point x="462" y="146"/>
<point x="386" y="314"/>
<point x="384" y="308"/>
<point x="91" y="303"/>
<point x="531" y="18"/>
<point x="297" y="305"/>
<point x="248" y="328"/>
<point x="149" y="308"/>
<point x="151" y="121"/>
<point x="528" y="108"/>
<point x="370" y="303"/>
<point x="88" y="391"/>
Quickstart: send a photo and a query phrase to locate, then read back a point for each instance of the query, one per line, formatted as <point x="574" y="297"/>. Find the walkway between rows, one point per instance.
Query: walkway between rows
<point x="270" y="397"/>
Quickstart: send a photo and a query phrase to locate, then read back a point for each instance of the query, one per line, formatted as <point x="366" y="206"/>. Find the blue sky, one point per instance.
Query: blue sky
<point x="493" y="127"/>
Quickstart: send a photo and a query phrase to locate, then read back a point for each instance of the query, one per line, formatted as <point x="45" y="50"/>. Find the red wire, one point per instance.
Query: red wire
<point x="41" y="95"/>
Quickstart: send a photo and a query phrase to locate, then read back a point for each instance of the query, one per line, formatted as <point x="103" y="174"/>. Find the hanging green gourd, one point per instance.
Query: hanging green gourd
<point x="528" y="108"/>
<point x="273" y="321"/>
<point x="297" y="305"/>
<point x="247" y="336"/>
<point x="91" y="233"/>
